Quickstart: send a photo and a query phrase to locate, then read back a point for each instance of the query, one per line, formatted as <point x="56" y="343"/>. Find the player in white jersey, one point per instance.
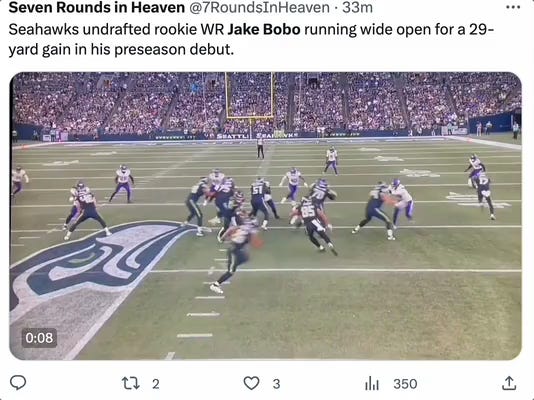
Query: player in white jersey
<point x="17" y="175"/>
<point x="331" y="159"/>
<point x="216" y="177"/>
<point x="477" y="166"/>
<point x="405" y="200"/>
<point x="293" y="178"/>
<point x="122" y="179"/>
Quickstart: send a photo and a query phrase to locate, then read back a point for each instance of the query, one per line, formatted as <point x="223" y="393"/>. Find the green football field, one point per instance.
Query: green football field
<point x="449" y="287"/>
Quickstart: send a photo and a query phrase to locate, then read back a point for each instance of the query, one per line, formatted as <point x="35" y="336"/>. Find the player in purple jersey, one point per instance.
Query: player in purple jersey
<point x="477" y="166"/>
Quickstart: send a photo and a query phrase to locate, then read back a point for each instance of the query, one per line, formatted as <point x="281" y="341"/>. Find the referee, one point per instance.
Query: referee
<point x="259" y="142"/>
<point x="516" y="129"/>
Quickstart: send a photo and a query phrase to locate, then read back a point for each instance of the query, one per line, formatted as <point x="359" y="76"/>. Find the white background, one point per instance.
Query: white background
<point x="508" y="48"/>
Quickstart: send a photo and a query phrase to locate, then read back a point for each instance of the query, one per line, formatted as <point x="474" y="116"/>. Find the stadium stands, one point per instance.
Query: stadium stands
<point x="147" y="103"/>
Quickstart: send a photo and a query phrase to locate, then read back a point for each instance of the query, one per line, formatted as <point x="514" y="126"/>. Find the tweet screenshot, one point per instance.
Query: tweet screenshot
<point x="267" y="199"/>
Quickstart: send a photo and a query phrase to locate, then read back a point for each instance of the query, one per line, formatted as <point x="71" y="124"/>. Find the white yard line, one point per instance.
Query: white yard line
<point x="283" y="157"/>
<point x="17" y="245"/>
<point x="210" y="314"/>
<point x="330" y="204"/>
<point x="285" y="166"/>
<point x="394" y="270"/>
<point x="290" y="150"/>
<point x="31" y="145"/>
<point x="195" y="160"/>
<point x="194" y="335"/>
<point x="495" y="226"/>
<point x="29" y="237"/>
<point x="45" y="230"/>
<point x="422" y="227"/>
<point x="97" y="325"/>
<point x="174" y="167"/>
<point x="318" y="166"/>
<point x="488" y="142"/>
<point x="282" y="188"/>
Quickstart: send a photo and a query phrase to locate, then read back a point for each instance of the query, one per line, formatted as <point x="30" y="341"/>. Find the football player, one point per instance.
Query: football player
<point x="293" y="179"/>
<point x="377" y="197"/>
<point x="405" y="200"/>
<point x="315" y="220"/>
<point x="88" y="210"/>
<point x="197" y="191"/>
<point x="239" y="237"/>
<point x="222" y="194"/>
<point x="231" y="213"/>
<point x="75" y="192"/>
<point x="482" y="183"/>
<point x="269" y="199"/>
<point x="216" y="178"/>
<point x="477" y="166"/>
<point x="16" y="178"/>
<point x="319" y="192"/>
<point x="122" y="179"/>
<point x="331" y="160"/>
<point x="258" y="190"/>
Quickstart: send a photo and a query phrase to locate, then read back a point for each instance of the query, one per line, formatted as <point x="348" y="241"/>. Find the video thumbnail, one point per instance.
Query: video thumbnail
<point x="233" y="215"/>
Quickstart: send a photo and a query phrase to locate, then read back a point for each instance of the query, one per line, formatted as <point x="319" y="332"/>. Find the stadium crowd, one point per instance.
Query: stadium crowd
<point x="318" y="102"/>
<point x="144" y="103"/>
<point x="426" y="101"/>
<point x="484" y="93"/>
<point x="199" y="103"/>
<point x="374" y="102"/>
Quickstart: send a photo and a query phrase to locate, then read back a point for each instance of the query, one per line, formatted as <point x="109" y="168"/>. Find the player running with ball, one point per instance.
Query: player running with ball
<point x="239" y="237"/>
<point x="482" y="184"/>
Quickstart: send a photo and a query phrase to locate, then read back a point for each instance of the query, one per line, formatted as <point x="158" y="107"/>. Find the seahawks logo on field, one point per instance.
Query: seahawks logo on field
<point x="114" y="263"/>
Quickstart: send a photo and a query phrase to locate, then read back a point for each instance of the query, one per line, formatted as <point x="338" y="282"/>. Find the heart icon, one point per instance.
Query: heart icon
<point x="251" y="382"/>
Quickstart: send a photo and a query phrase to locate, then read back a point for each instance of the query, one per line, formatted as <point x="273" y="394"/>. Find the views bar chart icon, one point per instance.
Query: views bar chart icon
<point x="369" y="386"/>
